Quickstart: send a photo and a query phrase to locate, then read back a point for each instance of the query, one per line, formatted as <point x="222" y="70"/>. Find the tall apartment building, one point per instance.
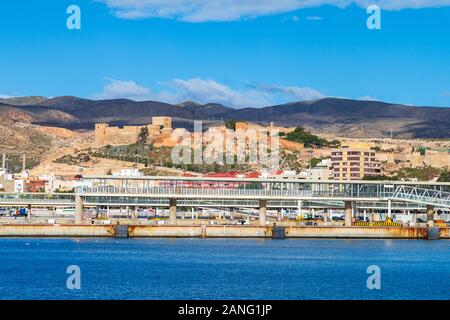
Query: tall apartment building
<point x="354" y="163"/>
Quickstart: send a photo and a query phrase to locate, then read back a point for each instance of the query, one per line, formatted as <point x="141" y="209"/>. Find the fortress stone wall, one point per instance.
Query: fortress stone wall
<point x="104" y="134"/>
<point x="415" y="159"/>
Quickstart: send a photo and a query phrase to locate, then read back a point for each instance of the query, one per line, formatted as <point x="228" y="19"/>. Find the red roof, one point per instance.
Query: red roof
<point x="187" y="174"/>
<point x="232" y="174"/>
<point x="221" y="174"/>
<point x="253" y="175"/>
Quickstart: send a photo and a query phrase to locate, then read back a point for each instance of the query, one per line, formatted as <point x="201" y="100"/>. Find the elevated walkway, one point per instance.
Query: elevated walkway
<point x="425" y="196"/>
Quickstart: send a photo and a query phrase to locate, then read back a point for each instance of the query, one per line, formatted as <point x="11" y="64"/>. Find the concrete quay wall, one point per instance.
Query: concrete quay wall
<point x="216" y="231"/>
<point x="165" y="231"/>
<point x="34" y="230"/>
<point x="357" y="232"/>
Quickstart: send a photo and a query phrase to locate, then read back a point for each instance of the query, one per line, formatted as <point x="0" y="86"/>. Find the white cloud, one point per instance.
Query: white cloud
<point x="205" y="91"/>
<point x="296" y="93"/>
<point x="229" y="10"/>
<point x="368" y="98"/>
<point x="120" y="89"/>
<point x="208" y="91"/>
<point x="178" y="90"/>
<point x="314" y="18"/>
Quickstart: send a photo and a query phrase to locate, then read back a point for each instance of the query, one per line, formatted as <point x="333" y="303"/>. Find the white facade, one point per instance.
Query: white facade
<point x="19" y="186"/>
<point x="323" y="170"/>
<point x="128" y="173"/>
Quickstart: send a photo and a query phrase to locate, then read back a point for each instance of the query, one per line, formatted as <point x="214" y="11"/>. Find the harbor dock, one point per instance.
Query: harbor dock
<point x="221" y="231"/>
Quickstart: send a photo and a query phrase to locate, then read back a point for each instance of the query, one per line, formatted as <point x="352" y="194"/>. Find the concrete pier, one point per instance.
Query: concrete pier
<point x="173" y="211"/>
<point x="348" y="213"/>
<point x="262" y="212"/>
<point x="78" y="209"/>
<point x="430" y="215"/>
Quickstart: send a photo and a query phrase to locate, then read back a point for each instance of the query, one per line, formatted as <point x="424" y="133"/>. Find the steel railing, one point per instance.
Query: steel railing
<point x="232" y="192"/>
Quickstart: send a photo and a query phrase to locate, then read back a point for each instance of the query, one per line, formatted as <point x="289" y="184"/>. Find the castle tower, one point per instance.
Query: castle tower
<point x="100" y="133"/>
<point x="163" y="122"/>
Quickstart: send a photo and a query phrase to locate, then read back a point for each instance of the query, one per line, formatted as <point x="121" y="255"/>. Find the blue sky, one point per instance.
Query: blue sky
<point x="239" y="53"/>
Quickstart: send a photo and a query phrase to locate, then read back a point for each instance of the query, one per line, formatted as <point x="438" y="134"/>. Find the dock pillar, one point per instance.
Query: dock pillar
<point x="280" y="215"/>
<point x="433" y="233"/>
<point x="133" y="213"/>
<point x="376" y="217"/>
<point x="348" y="213"/>
<point x="173" y="211"/>
<point x="29" y="212"/>
<point x="389" y="213"/>
<point x="262" y="212"/>
<point x="414" y="216"/>
<point x="299" y="208"/>
<point x="121" y="231"/>
<point x="430" y="215"/>
<point x="278" y="232"/>
<point x="78" y="209"/>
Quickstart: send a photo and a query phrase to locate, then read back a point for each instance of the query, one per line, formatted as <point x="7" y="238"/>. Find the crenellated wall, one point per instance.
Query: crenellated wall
<point x="104" y="134"/>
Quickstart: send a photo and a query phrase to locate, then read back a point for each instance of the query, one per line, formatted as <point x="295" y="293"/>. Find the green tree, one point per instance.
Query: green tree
<point x="422" y="150"/>
<point x="231" y="124"/>
<point x="143" y="136"/>
<point x="378" y="178"/>
<point x="310" y="140"/>
<point x="445" y="176"/>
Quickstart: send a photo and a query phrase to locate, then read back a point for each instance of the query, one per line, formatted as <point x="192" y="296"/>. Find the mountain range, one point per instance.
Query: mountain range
<point x="343" y="117"/>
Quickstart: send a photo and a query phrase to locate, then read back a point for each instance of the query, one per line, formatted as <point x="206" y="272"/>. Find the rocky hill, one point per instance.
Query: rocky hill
<point x="23" y="101"/>
<point x="19" y="134"/>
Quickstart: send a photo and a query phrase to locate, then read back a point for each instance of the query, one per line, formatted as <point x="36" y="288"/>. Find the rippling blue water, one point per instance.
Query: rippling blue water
<point x="223" y="269"/>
